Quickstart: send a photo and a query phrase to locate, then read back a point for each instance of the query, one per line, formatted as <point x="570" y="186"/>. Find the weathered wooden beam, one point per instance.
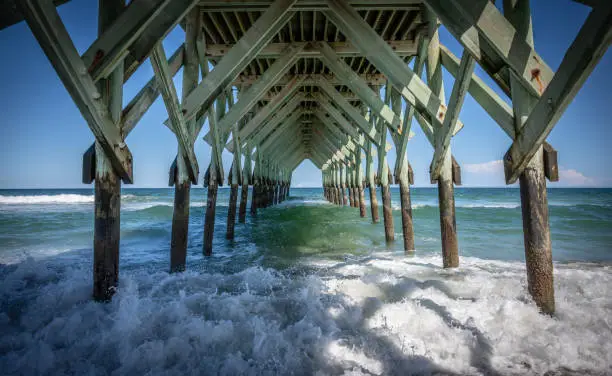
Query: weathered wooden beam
<point x="273" y="134"/>
<point x="306" y="5"/>
<point x="168" y="93"/>
<point x="47" y="27"/>
<point x="182" y="181"/>
<point x="497" y="108"/>
<point x="280" y="153"/>
<point x="475" y="21"/>
<point x="266" y="112"/>
<point x="310" y="79"/>
<point x="111" y="47"/>
<point x="342" y="49"/>
<point x="254" y="93"/>
<point x="351" y="111"/>
<point x="336" y="116"/>
<point x="258" y="35"/>
<point x="444" y="134"/>
<point x="140" y="104"/>
<point x="401" y="145"/>
<point x="359" y="32"/>
<point x="11" y="15"/>
<point x="337" y="132"/>
<point x="534" y="199"/>
<point x="288" y="110"/>
<point x="446" y="190"/>
<point x="581" y="58"/>
<point x="357" y="84"/>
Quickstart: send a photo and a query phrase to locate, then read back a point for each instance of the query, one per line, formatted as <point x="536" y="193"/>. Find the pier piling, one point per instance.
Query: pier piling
<point x="107" y="201"/>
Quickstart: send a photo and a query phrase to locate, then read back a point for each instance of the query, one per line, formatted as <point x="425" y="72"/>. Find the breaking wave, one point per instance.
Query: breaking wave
<point x="380" y="315"/>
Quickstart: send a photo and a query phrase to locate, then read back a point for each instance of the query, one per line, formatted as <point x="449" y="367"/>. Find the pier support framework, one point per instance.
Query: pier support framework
<point x="308" y="78"/>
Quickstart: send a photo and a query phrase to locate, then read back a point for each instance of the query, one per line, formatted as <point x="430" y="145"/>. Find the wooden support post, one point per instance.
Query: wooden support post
<point x="383" y="172"/>
<point x="343" y="184"/>
<point x="231" y="211"/>
<point x="254" y="198"/>
<point x="349" y="186"/>
<point x="256" y="186"/>
<point x="534" y="200"/>
<point x="371" y="181"/>
<point x="234" y="179"/>
<point x="360" y="192"/>
<point x="446" y="196"/>
<point x="402" y="177"/>
<point x="209" y="219"/>
<point x="213" y="177"/>
<point x="107" y="200"/>
<point x="246" y="181"/>
<point x="182" y="183"/>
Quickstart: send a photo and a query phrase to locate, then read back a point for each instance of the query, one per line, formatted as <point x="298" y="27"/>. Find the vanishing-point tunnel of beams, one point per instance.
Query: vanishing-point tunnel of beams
<point x="302" y="79"/>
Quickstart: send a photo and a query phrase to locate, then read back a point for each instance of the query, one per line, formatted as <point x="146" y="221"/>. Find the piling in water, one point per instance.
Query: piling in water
<point x="374" y="204"/>
<point x="244" y="196"/>
<point x="536" y="231"/>
<point x="106" y="235"/>
<point x="180" y="226"/>
<point x="387" y="213"/>
<point x="209" y="219"/>
<point x="362" y="208"/>
<point x="231" y="212"/>
<point x="407" y="226"/>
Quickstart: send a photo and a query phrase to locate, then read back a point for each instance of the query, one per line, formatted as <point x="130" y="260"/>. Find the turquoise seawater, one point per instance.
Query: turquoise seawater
<point x="306" y="287"/>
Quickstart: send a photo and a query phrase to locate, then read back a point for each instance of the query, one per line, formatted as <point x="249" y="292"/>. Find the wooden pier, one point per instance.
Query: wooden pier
<point x="280" y="81"/>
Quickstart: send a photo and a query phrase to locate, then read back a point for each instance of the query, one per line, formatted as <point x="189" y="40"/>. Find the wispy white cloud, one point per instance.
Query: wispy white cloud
<point x="491" y="167"/>
<point x="576" y="178"/>
<point x="567" y="177"/>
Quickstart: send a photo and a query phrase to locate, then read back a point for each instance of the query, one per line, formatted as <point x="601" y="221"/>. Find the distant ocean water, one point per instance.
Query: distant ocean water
<point x="305" y="288"/>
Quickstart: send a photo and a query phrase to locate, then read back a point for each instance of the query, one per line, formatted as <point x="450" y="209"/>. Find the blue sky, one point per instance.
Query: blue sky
<point x="43" y="136"/>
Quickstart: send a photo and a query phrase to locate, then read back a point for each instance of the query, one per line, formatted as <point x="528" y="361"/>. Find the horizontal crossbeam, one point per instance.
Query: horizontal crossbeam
<point x="343" y="49"/>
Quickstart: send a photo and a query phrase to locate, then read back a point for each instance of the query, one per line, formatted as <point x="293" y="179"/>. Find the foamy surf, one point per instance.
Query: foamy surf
<point x="52" y="199"/>
<point x="381" y="314"/>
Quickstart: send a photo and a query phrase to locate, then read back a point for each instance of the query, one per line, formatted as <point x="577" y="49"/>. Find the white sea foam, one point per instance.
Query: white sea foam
<point x="378" y="315"/>
<point x="46" y="199"/>
<point x="52" y="199"/>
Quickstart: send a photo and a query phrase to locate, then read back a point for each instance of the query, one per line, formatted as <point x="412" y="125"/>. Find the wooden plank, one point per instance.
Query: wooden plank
<point x="351" y="111"/>
<point x="258" y="35"/>
<point x="326" y="105"/>
<point x="343" y="49"/>
<point x="306" y="5"/>
<point x="404" y="136"/>
<point x="444" y="134"/>
<point x="359" y="32"/>
<point x="581" y="58"/>
<point x="254" y="93"/>
<point x="168" y="93"/>
<point x="357" y="84"/>
<point x="474" y="22"/>
<point x="112" y="46"/>
<point x="280" y="115"/>
<point x="47" y="27"/>
<point x="11" y="15"/>
<point x="266" y="112"/>
<point x="140" y="104"/>
<point x="271" y="136"/>
<point x="496" y="107"/>
<point x="310" y="79"/>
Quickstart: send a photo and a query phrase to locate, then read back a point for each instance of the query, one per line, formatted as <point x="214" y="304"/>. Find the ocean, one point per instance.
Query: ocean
<point x="306" y="288"/>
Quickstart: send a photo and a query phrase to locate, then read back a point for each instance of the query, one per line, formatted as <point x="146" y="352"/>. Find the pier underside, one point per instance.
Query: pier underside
<point x="278" y="82"/>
